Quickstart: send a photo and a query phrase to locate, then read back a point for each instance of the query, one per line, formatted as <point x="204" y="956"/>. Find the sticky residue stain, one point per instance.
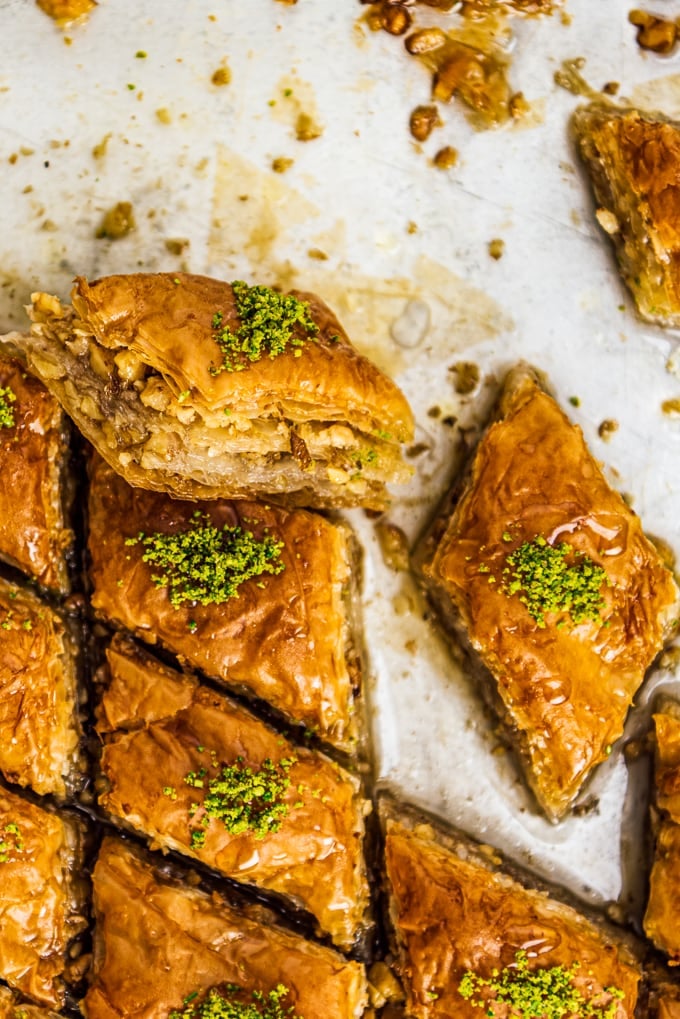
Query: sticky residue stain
<point x="262" y="230"/>
<point x="294" y="103"/>
<point x="659" y="94"/>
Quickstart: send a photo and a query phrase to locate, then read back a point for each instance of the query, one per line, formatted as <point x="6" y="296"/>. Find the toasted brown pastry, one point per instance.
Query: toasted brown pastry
<point x="463" y="928"/>
<point x="662" y="920"/>
<point x="285" y="639"/>
<point x="41" y="906"/>
<point x="664" y="995"/>
<point x="633" y="159"/>
<point x="158" y="942"/>
<point x="162" y="729"/>
<point x="33" y="448"/>
<point x="547" y="576"/>
<point x="13" y="1006"/>
<point x="139" y="362"/>
<point x="39" y="723"/>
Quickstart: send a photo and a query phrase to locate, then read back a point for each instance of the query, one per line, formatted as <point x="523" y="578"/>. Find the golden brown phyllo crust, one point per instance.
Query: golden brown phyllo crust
<point x="563" y="688"/>
<point x="33" y="531"/>
<point x="661" y="917"/>
<point x="633" y="159"/>
<point x="13" y="1006"/>
<point x="285" y="639"/>
<point x="157" y="942"/>
<point x="135" y="363"/>
<point x="454" y="912"/>
<point x="39" y="724"/>
<point x="159" y="726"/>
<point x="41" y="906"/>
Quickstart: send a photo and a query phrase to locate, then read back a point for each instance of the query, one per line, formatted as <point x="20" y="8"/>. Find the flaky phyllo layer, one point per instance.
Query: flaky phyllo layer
<point x="138" y="362"/>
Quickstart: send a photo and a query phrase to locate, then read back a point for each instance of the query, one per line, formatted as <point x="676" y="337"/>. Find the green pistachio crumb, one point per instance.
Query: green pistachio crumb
<point x="537" y="994"/>
<point x="7" y="398"/>
<point x="575" y="401"/>
<point x="141" y="54"/>
<point x="233" y="1002"/>
<point x="554" y="578"/>
<point x="27" y="624"/>
<point x="10" y="842"/>
<point x="170" y="792"/>
<point x="206" y="564"/>
<point x="268" y="327"/>
<point x="381" y="434"/>
<point x="244" y="799"/>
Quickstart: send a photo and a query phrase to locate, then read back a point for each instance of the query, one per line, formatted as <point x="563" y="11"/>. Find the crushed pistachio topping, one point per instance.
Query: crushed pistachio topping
<point x="268" y="320"/>
<point x="232" y="1003"/>
<point x="554" y="578"/>
<point x="207" y="564"/>
<point x="7" y="398"/>
<point x="244" y="799"/>
<point x="10" y="842"/>
<point x="539" y="993"/>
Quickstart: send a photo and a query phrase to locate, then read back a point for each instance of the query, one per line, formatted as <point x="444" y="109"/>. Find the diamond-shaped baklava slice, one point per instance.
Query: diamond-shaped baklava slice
<point x="34" y="535"/>
<point x="471" y="940"/>
<point x="197" y="773"/>
<point x="40" y="732"/>
<point x="252" y="594"/>
<point x="162" y="946"/>
<point x="633" y="159"/>
<point x="42" y="900"/>
<point x="546" y="575"/>
<point x="206" y="389"/>
<point x="662" y="920"/>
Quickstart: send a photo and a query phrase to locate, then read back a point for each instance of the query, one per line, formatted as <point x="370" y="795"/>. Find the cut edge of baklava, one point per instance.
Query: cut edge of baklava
<point x="162" y="438"/>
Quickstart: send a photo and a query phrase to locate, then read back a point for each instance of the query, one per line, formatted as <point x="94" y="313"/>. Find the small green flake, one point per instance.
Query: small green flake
<point x="184" y="395"/>
<point x="205" y="564"/>
<point x="244" y="799"/>
<point x="170" y="792"/>
<point x="11" y="842"/>
<point x="270" y="323"/>
<point x="131" y="87"/>
<point x="141" y="54"/>
<point x="27" y="624"/>
<point x="537" y="993"/>
<point x="575" y="401"/>
<point x="234" y="1002"/>
<point x="7" y="398"/>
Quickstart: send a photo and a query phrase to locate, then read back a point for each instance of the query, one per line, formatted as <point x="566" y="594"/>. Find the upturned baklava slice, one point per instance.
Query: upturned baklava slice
<point x="547" y="577"/>
<point x="164" y="948"/>
<point x="662" y="917"/>
<point x="42" y="900"/>
<point x="205" y="389"/>
<point x="39" y="720"/>
<point x="252" y="594"/>
<point x="471" y="941"/>
<point x="633" y="159"/>
<point x="34" y="535"/>
<point x="197" y="773"/>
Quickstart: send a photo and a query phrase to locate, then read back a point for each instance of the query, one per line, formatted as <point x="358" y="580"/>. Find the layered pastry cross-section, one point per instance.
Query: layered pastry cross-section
<point x="205" y="389"/>
<point x="42" y="901"/>
<point x="167" y="570"/>
<point x="39" y="719"/>
<point x="662" y="917"/>
<point x="34" y="497"/>
<point x="633" y="159"/>
<point x="545" y="574"/>
<point x="159" y="943"/>
<point x="471" y="941"/>
<point x="197" y="773"/>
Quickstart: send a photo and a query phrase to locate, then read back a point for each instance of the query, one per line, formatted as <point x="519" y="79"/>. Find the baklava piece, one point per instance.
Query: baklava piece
<point x="197" y="773"/>
<point x="205" y="389"/>
<point x="13" y="1006"/>
<point x="159" y="944"/>
<point x="252" y="594"/>
<point x="471" y="941"/>
<point x="662" y="919"/>
<point x="42" y="901"/>
<point x="664" y="996"/>
<point x="39" y="720"/>
<point x="633" y="159"/>
<point x="34" y="535"/>
<point x="547" y="577"/>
